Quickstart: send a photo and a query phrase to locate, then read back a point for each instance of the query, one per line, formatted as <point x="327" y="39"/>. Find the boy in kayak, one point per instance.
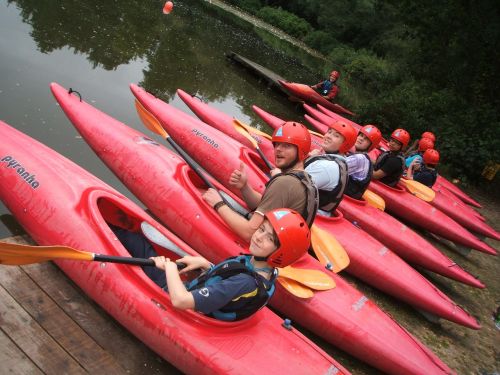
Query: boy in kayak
<point x="423" y="144"/>
<point x="239" y="286"/>
<point x="425" y="174"/>
<point x="291" y="188"/>
<point x="414" y="146"/>
<point x="390" y="165"/>
<point x="359" y="165"/>
<point x="328" y="167"/>
<point x="328" y="88"/>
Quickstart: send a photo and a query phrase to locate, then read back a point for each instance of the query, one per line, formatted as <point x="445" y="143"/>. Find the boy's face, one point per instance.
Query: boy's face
<point x="394" y="145"/>
<point x="262" y="242"/>
<point x="285" y="154"/>
<point x="363" y="143"/>
<point x="332" y="141"/>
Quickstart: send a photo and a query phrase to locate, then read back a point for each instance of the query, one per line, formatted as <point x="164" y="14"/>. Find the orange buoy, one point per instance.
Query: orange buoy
<point x="167" y="8"/>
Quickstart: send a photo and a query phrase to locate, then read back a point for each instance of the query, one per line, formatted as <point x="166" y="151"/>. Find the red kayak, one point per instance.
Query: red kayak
<point x="57" y="202"/>
<point x="225" y="123"/>
<point x="398" y="237"/>
<point x="170" y="189"/>
<point x="370" y="260"/>
<point x="443" y="182"/>
<point x="414" y="210"/>
<point x="308" y="94"/>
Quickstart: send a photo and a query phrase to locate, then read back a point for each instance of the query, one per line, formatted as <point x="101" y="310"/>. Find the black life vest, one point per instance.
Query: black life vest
<point x="432" y="172"/>
<point x="390" y="180"/>
<point x="330" y="199"/>
<point x="356" y="188"/>
<point x="231" y="267"/>
<point x="312" y="201"/>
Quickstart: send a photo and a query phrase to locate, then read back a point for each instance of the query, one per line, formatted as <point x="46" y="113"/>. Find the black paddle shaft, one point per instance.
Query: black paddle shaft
<point x="128" y="260"/>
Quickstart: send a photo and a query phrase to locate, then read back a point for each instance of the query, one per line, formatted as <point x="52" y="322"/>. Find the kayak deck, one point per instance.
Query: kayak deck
<point x="42" y="305"/>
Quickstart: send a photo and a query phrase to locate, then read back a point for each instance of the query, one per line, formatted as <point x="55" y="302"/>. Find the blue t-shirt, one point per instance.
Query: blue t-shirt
<point x="409" y="159"/>
<point x="219" y="293"/>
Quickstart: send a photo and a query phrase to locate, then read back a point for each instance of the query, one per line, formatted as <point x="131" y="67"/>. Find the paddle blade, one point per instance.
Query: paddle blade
<point x="14" y="254"/>
<point x="149" y="120"/>
<point x="329" y="251"/>
<point x="374" y="200"/>
<point x="313" y="279"/>
<point x="419" y="190"/>
<point x="244" y="132"/>
<point x="295" y="288"/>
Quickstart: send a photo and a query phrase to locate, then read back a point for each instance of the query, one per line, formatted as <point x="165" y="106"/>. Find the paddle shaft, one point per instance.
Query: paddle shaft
<point x="124" y="260"/>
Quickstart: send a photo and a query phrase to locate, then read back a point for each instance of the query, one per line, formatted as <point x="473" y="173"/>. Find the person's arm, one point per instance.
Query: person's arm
<point x="412" y="168"/>
<point x="412" y="148"/>
<point x="179" y="296"/>
<point x="378" y="174"/>
<point x="241" y="226"/>
<point x="239" y="180"/>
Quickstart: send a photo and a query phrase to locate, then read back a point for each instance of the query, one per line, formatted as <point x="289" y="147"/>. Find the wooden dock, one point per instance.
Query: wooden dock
<point x="49" y="326"/>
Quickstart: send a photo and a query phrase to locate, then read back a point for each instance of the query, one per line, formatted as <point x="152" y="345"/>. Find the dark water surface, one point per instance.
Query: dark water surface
<point x="99" y="47"/>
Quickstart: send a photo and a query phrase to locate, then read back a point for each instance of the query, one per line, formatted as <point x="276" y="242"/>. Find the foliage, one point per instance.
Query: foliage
<point x="288" y="22"/>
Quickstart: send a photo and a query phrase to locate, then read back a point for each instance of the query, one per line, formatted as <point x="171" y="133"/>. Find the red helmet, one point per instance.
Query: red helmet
<point x="373" y="134"/>
<point x="335" y="74"/>
<point x="429" y="135"/>
<point x="425" y="144"/>
<point x="402" y="136"/>
<point x="293" y="235"/>
<point x="295" y="134"/>
<point x="347" y="131"/>
<point x="431" y="156"/>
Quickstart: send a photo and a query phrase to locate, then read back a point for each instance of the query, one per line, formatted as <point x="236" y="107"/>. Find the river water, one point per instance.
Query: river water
<point x="99" y="47"/>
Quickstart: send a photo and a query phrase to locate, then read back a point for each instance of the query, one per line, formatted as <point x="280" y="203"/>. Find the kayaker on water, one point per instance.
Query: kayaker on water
<point x="425" y="174"/>
<point x="328" y="167"/>
<point x="292" y="188"/>
<point x="239" y="286"/>
<point x="389" y="166"/>
<point x="328" y="88"/>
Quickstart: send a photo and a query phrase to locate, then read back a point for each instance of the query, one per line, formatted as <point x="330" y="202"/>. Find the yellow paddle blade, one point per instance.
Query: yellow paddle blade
<point x="244" y="132"/>
<point x="15" y="254"/>
<point x="419" y="190"/>
<point x="374" y="200"/>
<point x="295" y="288"/>
<point x="313" y="279"/>
<point x="316" y="133"/>
<point x="329" y="251"/>
<point x="149" y="120"/>
<point x="252" y="130"/>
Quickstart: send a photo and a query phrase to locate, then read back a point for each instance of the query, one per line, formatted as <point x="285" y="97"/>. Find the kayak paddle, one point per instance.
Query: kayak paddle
<point x="374" y="200"/>
<point x="240" y="128"/>
<point x="295" y="288"/>
<point x="419" y="190"/>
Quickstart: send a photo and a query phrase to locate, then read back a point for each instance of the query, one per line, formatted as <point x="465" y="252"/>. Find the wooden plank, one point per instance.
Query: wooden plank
<point x="13" y="360"/>
<point x="129" y="352"/>
<point x="56" y="322"/>
<point x="32" y="339"/>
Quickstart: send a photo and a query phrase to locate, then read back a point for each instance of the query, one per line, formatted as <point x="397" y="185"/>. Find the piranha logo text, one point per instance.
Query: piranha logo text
<point x="205" y="138"/>
<point x="25" y="175"/>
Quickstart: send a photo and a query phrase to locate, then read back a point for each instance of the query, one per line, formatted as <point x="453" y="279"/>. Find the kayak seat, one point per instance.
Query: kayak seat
<point x="114" y="215"/>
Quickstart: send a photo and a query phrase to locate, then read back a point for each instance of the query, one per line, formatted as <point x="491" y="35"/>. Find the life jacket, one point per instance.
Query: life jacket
<point x="330" y="199"/>
<point x="327" y="86"/>
<point x="231" y="267"/>
<point x="432" y="172"/>
<point x="356" y="188"/>
<point x="312" y="201"/>
<point x="390" y="180"/>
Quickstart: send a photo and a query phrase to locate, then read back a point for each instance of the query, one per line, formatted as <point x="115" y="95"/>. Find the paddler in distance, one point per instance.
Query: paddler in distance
<point x="424" y="171"/>
<point x="292" y="188"/>
<point x="237" y="287"/>
<point x="328" y="88"/>
<point x="390" y="165"/>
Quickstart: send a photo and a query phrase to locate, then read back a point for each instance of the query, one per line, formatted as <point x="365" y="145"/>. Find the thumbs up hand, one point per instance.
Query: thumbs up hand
<point x="238" y="178"/>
